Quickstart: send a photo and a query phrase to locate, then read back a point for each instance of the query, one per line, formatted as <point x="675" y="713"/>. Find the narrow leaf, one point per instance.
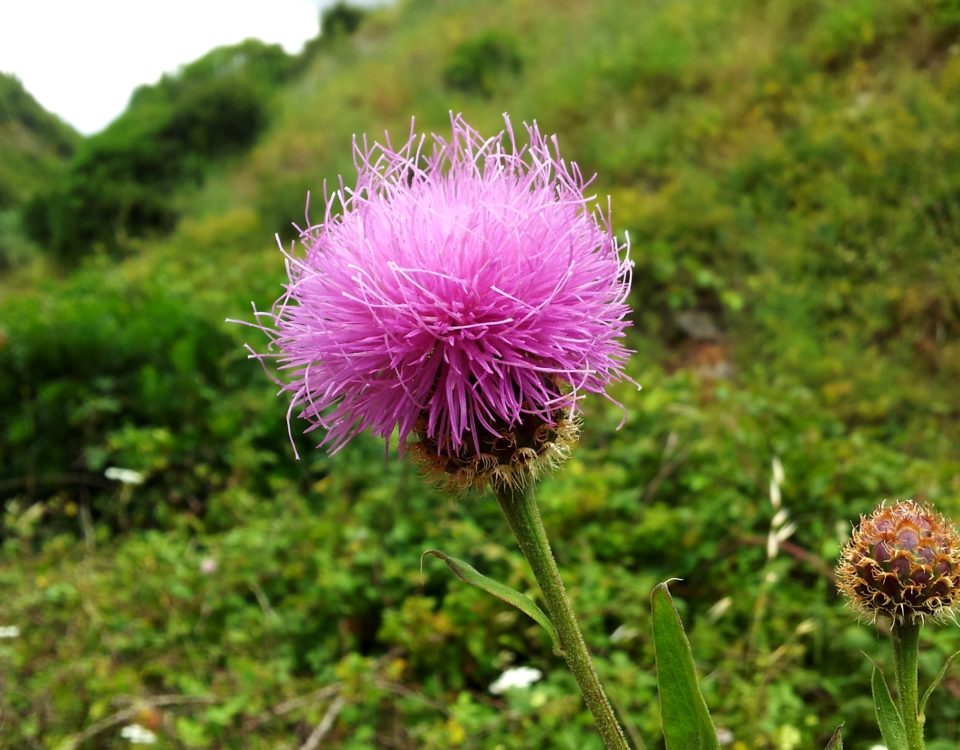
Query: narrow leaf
<point x="683" y="711"/>
<point x="936" y="681"/>
<point x="468" y="574"/>
<point x="836" y="740"/>
<point x="888" y="717"/>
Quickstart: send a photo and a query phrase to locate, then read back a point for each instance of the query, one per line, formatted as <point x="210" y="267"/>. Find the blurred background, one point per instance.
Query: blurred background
<point x="789" y="175"/>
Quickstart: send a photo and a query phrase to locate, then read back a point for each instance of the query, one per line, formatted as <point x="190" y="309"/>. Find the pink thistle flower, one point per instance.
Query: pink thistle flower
<point x="467" y="297"/>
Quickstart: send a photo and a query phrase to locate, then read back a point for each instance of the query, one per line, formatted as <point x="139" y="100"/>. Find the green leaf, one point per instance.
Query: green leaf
<point x="888" y="717"/>
<point x="836" y="739"/>
<point x="468" y="574"/>
<point x="936" y="681"/>
<point x="683" y="711"/>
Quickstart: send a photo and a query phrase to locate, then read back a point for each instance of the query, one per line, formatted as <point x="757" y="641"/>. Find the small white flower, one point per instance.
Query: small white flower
<point x="208" y="565"/>
<point x="125" y="476"/>
<point x="724" y="736"/>
<point x="138" y="735"/>
<point x="515" y="677"/>
<point x="9" y="631"/>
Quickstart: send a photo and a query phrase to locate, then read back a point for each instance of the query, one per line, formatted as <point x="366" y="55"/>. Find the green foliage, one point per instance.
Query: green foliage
<point x="934" y="684"/>
<point x="113" y="383"/>
<point x="797" y="294"/>
<point x="134" y="374"/>
<point x="476" y="65"/>
<point x="252" y="62"/>
<point x="337" y="23"/>
<point x="686" y="721"/>
<point x="340" y="19"/>
<point x="15" y="248"/>
<point x="119" y="184"/>
<point x="888" y="716"/>
<point x="468" y="574"/>
<point x="17" y="106"/>
<point x="215" y="118"/>
<point x="34" y="148"/>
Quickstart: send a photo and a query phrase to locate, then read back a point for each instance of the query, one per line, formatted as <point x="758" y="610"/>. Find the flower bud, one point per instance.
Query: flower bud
<point x="903" y="561"/>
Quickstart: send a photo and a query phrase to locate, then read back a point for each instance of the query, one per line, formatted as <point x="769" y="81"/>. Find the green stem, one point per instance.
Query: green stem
<point x="523" y="516"/>
<point x="905" y="638"/>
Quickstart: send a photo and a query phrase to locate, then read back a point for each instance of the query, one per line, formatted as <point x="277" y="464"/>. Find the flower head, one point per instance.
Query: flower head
<point x="903" y="561"/>
<point x="463" y="295"/>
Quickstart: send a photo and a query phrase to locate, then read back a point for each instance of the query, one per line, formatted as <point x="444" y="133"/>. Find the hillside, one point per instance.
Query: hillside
<point x="34" y="144"/>
<point x="34" y="149"/>
<point x="783" y="171"/>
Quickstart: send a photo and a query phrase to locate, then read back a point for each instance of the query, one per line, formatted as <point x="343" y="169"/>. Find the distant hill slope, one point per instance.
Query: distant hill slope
<point x="34" y="144"/>
<point x="118" y="185"/>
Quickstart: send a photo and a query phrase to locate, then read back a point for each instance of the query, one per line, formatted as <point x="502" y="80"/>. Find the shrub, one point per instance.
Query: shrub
<point x="130" y="377"/>
<point x="477" y="64"/>
<point x="341" y="19"/>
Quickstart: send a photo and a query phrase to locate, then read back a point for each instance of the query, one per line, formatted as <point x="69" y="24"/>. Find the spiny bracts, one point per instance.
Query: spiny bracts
<point x="903" y="562"/>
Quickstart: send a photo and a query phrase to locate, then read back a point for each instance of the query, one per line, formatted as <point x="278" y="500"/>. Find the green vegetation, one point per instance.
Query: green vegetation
<point x="784" y="171"/>
<point x="34" y="147"/>
<point x="119" y="184"/>
<point x="475" y="64"/>
<point x="33" y="143"/>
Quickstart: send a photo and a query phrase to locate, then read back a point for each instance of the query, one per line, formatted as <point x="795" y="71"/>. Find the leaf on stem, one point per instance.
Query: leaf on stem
<point x="836" y="739"/>
<point x="936" y="681"/>
<point x="888" y="717"/>
<point x="683" y="711"/>
<point x="468" y="574"/>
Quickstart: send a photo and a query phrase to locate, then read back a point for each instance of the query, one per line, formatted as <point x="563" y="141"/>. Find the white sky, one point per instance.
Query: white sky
<point x="81" y="59"/>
